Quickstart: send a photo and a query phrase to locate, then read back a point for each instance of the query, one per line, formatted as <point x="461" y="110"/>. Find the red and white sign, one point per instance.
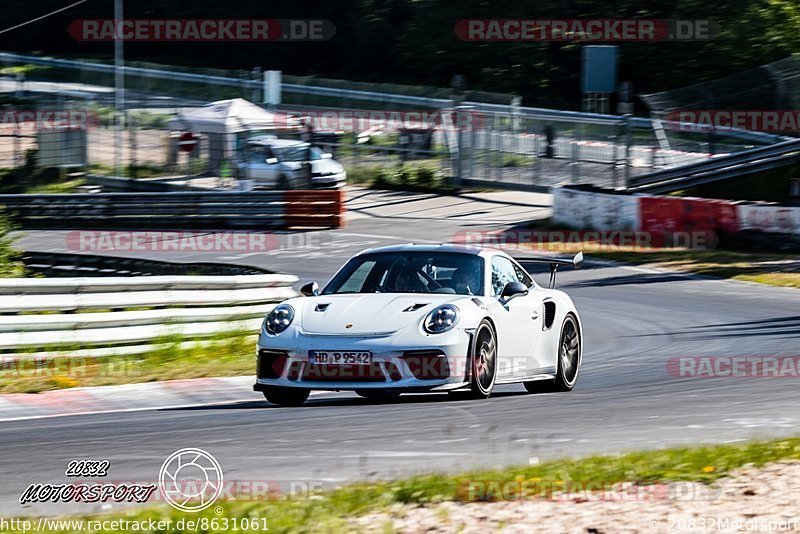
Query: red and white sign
<point x="187" y="142"/>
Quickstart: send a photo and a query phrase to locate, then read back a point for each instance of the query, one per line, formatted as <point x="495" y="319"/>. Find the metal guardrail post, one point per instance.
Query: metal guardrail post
<point x="628" y="140"/>
<point x="573" y="160"/>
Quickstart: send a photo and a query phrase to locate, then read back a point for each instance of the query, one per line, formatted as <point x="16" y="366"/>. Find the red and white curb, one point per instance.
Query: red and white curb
<point x="128" y="398"/>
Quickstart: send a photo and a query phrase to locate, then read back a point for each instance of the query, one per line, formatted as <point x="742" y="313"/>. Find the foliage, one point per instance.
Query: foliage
<point x="413" y="42"/>
<point x="11" y="265"/>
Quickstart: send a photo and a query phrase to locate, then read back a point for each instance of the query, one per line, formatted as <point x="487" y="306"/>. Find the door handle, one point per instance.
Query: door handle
<point x="535" y="315"/>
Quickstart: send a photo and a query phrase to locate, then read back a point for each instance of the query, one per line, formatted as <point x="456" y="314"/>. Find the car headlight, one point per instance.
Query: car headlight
<point x="441" y="319"/>
<point x="279" y="319"/>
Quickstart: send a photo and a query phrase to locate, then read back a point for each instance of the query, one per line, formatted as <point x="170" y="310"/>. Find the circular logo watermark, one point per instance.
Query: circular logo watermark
<point x="190" y="479"/>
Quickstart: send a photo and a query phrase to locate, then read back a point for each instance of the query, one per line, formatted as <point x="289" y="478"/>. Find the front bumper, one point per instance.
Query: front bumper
<point x="330" y="180"/>
<point x="435" y="365"/>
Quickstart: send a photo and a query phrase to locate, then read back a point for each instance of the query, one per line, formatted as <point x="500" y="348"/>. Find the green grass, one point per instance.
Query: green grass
<point x="228" y="354"/>
<point x="11" y="265"/>
<point x="409" y="176"/>
<point x="330" y="511"/>
<point x="737" y="265"/>
<point x="31" y="180"/>
<point x="131" y="171"/>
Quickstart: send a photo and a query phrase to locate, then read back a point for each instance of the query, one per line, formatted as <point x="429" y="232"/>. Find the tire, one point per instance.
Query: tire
<point x="569" y="357"/>
<point x="283" y="183"/>
<point x="378" y="394"/>
<point x="281" y="396"/>
<point x="483" y="361"/>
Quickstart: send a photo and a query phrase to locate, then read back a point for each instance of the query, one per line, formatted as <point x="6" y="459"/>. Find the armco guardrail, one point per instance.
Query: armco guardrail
<point x="104" y="316"/>
<point x="115" y="183"/>
<point x="720" y="168"/>
<point x="254" y="210"/>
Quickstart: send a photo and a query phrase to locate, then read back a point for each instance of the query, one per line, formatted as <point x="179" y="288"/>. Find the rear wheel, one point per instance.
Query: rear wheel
<point x="377" y="394"/>
<point x="281" y="396"/>
<point x="568" y="361"/>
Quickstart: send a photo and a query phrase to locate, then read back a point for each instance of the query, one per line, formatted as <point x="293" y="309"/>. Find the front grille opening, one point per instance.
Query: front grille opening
<point x="393" y="371"/>
<point x="343" y="373"/>
<point x="427" y="364"/>
<point x="270" y="363"/>
<point x="294" y="370"/>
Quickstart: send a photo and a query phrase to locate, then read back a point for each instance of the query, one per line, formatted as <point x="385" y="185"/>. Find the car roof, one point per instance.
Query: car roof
<point x="274" y="142"/>
<point x="440" y="247"/>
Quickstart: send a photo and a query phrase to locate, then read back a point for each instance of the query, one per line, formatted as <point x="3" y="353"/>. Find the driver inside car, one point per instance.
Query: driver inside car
<point x="465" y="281"/>
<point x="408" y="281"/>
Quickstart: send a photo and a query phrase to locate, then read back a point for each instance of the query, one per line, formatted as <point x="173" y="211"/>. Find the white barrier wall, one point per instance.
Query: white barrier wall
<point x="105" y="312"/>
<point x="595" y="211"/>
<point x="769" y="218"/>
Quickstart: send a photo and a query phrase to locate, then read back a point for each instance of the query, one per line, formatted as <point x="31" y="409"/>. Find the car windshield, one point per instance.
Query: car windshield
<point x="297" y="153"/>
<point x="410" y="272"/>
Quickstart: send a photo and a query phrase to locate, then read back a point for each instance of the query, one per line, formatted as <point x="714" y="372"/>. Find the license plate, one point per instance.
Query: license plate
<point x="344" y="357"/>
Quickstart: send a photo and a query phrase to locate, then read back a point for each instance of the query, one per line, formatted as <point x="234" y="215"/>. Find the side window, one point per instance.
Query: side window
<point x="522" y="276"/>
<point x="355" y="283"/>
<point x="502" y="273"/>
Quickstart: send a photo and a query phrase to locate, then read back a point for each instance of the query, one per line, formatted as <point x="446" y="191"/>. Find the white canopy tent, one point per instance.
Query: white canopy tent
<point x="222" y="123"/>
<point x="224" y="117"/>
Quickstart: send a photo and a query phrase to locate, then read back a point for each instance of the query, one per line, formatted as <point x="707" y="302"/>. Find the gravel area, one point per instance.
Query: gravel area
<point x="750" y="500"/>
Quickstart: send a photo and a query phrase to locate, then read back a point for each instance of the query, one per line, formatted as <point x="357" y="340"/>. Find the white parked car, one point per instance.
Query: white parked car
<point x="279" y="164"/>
<point x="411" y="318"/>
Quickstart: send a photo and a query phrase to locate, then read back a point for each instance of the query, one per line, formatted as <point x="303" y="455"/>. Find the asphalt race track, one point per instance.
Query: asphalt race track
<point x="634" y="321"/>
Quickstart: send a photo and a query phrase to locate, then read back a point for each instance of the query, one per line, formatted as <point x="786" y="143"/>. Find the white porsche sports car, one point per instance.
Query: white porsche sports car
<point x="411" y="318"/>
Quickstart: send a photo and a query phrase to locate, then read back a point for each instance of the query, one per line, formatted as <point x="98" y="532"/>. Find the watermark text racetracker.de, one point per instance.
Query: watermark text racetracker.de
<point x="522" y="240"/>
<point x="43" y="120"/>
<point x="734" y="367"/>
<point x="582" y="490"/>
<point x="758" y="120"/>
<point x="600" y="30"/>
<point x="361" y="120"/>
<point x="72" y="367"/>
<point x="193" y="241"/>
<point x="209" y="30"/>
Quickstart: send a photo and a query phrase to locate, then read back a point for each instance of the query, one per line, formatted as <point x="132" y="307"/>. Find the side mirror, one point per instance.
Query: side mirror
<point x="272" y="161"/>
<point x="326" y="155"/>
<point x="310" y="289"/>
<point x="513" y="290"/>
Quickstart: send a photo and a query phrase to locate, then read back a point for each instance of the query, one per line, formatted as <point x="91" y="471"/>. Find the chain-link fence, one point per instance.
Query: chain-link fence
<point x="501" y="145"/>
<point x="774" y="85"/>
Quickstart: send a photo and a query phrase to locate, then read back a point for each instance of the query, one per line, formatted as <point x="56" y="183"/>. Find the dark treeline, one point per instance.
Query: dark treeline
<point x="413" y="41"/>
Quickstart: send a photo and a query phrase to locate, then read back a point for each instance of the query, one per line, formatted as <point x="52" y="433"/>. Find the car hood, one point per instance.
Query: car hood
<point x="368" y="313"/>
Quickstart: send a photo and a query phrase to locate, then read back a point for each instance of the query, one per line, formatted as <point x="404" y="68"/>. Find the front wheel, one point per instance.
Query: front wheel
<point x="281" y="396"/>
<point x="483" y="362"/>
<point x="568" y="361"/>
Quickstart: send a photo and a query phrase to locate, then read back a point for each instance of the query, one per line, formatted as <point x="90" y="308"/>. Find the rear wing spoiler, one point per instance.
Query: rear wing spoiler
<point x="576" y="263"/>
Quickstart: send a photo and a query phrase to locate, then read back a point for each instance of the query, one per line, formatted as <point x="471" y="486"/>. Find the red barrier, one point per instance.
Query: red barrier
<point x="664" y="217"/>
<point x="323" y="209"/>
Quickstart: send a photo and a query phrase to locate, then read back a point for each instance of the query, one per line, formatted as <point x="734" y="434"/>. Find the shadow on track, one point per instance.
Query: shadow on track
<point x="312" y="402"/>
<point x="640" y="278"/>
<point x="785" y="327"/>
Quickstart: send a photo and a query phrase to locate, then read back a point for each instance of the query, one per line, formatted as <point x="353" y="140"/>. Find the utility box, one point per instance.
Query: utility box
<point x="62" y="147"/>
<point x="599" y="69"/>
